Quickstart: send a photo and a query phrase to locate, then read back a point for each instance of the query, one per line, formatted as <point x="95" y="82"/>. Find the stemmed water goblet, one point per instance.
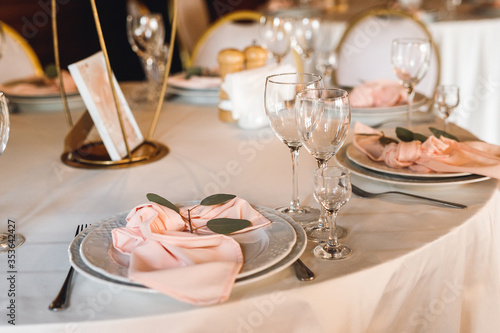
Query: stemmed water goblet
<point x="323" y="119"/>
<point x="275" y="33"/>
<point x="410" y="61"/>
<point x="11" y="239"/>
<point x="146" y="35"/>
<point x="279" y="100"/>
<point x="304" y="37"/>
<point x="332" y="189"/>
<point x="446" y="99"/>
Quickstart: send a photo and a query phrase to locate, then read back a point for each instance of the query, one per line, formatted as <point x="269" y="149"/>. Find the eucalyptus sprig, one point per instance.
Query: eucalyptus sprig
<point x="219" y="225"/>
<point x="406" y="135"/>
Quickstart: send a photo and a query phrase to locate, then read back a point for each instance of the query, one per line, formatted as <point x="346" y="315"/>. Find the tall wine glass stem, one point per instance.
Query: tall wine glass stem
<point x="410" y="88"/>
<point x="333" y="241"/>
<point x="322" y="223"/>
<point x="295" y="204"/>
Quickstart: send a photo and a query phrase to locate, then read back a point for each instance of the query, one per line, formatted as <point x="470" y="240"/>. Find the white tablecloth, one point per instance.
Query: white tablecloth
<point x="415" y="267"/>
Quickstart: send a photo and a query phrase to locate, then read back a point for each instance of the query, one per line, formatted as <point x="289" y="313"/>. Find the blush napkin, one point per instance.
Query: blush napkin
<point x="379" y="93"/>
<point x="199" y="268"/>
<point x="433" y="155"/>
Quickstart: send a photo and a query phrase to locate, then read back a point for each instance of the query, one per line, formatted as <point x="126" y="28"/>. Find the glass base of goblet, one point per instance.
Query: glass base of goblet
<point x="324" y="251"/>
<point x="302" y="214"/>
<point x="10" y="241"/>
<point x="318" y="233"/>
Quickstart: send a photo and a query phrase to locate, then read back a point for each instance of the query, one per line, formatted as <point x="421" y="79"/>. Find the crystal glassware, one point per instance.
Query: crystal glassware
<point x="279" y="100"/>
<point x="410" y="61"/>
<point x="146" y="35"/>
<point x="332" y="189"/>
<point x="446" y="99"/>
<point x="9" y="240"/>
<point x="323" y="119"/>
<point x="275" y="34"/>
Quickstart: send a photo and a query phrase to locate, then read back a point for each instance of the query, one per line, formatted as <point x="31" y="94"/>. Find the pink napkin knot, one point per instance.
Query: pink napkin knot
<point x="434" y="155"/>
<point x="198" y="268"/>
<point x="380" y="93"/>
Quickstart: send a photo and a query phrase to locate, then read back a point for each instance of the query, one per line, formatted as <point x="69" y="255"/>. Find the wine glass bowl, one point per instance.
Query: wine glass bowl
<point x="146" y="35"/>
<point x="332" y="189"/>
<point x="8" y="241"/>
<point x="275" y="33"/>
<point x="446" y="99"/>
<point x="305" y="33"/>
<point x="410" y="61"/>
<point x="323" y="119"/>
<point x="279" y="100"/>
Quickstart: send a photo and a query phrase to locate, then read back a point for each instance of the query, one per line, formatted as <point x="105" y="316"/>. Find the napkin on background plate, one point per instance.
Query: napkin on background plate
<point x="433" y="155"/>
<point x="195" y="268"/>
<point x="194" y="81"/>
<point x="246" y="93"/>
<point x="379" y="93"/>
<point x="39" y="85"/>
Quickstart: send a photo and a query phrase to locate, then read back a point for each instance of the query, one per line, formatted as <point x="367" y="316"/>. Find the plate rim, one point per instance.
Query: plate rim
<point x="374" y="166"/>
<point x="341" y="158"/>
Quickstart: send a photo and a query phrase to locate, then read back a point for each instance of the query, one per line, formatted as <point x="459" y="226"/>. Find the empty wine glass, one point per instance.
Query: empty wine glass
<point x="275" y="33"/>
<point x="279" y="100"/>
<point x="446" y="98"/>
<point x="323" y="118"/>
<point x="332" y="189"/>
<point x="410" y="60"/>
<point x="146" y="35"/>
<point x="11" y="239"/>
<point x="305" y="32"/>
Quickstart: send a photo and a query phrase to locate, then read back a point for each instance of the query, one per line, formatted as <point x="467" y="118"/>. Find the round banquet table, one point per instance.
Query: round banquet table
<point x="415" y="267"/>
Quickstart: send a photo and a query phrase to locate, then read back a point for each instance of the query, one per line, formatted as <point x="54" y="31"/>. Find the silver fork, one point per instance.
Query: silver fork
<point x="365" y="194"/>
<point x="61" y="301"/>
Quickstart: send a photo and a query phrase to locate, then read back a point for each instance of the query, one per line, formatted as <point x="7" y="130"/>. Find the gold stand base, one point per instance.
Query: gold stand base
<point x="94" y="156"/>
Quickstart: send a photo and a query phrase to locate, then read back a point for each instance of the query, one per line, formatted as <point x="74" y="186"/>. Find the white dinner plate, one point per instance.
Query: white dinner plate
<point x="418" y="101"/>
<point x="361" y="159"/>
<point x="298" y="248"/>
<point x="344" y="161"/>
<point x="46" y="103"/>
<point x="179" y="81"/>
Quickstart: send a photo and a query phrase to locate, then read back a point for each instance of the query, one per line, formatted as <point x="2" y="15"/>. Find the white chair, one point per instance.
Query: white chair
<point x="236" y="30"/>
<point x="18" y="59"/>
<point x="364" y="51"/>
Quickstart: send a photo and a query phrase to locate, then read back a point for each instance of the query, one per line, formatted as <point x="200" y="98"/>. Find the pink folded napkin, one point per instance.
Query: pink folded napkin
<point x="39" y="85"/>
<point x="433" y="155"/>
<point x="194" y="82"/>
<point x="380" y="93"/>
<point x="198" y="268"/>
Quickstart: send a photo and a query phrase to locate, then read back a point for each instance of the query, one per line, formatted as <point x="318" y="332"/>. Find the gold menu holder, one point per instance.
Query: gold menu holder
<point x="91" y="155"/>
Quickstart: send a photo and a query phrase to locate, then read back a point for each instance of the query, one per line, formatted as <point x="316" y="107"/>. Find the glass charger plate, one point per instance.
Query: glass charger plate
<point x="80" y="266"/>
<point x="418" y="101"/>
<point x="361" y="159"/>
<point x="344" y="161"/>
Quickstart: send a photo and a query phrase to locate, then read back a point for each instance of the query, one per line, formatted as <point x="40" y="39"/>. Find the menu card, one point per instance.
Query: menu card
<point x="92" y="81"/>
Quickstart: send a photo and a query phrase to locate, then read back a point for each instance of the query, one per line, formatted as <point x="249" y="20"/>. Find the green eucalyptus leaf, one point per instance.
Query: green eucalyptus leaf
<point x="162" y="201"/>
<point x="226" y="225"/>
<point x="385" y="140"/>
<point x="217" y="199"/>
<point x="50" y="71"/>
<point x="404" y="134"/>
<point x="438" y="133"/>
<point x="419" y="137"/>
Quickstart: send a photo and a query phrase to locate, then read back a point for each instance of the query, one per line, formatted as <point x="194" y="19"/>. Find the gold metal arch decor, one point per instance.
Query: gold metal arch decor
<point x="93" y="155"/>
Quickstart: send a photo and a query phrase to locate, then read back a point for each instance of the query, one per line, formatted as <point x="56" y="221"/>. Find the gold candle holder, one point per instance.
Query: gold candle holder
<point x="92" y="155"/>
